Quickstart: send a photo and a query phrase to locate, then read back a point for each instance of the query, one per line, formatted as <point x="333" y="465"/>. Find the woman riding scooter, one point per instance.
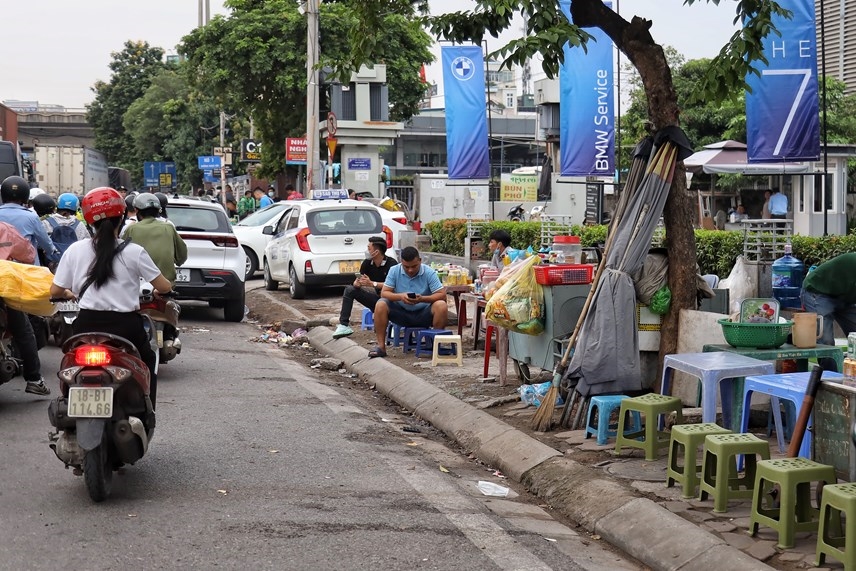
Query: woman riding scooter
<point x="104" y="273"/>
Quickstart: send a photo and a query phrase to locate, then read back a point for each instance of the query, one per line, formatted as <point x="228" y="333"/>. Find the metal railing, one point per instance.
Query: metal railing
<point x="764" y="240"/>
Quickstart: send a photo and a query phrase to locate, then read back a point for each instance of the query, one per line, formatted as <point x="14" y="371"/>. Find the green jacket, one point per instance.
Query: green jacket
<point x="835" y="278"/>
<point x="162" y="242"/>
<point x="246" y="205"/>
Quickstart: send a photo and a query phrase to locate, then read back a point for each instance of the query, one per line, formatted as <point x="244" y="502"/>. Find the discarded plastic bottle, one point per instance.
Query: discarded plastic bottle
<point x="788" y="273"/>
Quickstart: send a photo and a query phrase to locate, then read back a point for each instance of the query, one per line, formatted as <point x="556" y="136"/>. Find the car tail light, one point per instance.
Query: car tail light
<point x="401" y="220"/>
<point x="388" y="234"/>
<point x="303" y="239"/>
<point x="91" y="356"/>
<point x="221" y="240"/>
<point x="307" y="268"/>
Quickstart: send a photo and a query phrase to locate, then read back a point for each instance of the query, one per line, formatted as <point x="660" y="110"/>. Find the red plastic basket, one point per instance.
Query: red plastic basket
<point x="563" y="274"/>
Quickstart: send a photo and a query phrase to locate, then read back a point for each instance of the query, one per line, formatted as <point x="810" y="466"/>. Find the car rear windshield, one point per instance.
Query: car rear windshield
<point x="198" y="219"/>
<point x="341" y="221"/>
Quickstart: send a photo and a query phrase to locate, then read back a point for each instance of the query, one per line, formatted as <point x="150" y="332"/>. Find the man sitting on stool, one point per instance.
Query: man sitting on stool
<point x="412" y="296"/>
<point x="366" y="287"/>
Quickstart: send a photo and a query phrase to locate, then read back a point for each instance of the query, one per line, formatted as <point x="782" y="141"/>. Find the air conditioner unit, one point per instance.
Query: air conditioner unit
<point x="548" y="121"/>
<point x="546" y="91"/>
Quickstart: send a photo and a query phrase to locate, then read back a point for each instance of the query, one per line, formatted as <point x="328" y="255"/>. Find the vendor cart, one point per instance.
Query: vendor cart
<point x="562" y="307"/>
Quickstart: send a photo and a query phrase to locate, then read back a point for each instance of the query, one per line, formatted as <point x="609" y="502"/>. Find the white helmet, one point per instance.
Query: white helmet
<point x="35" y="191"/>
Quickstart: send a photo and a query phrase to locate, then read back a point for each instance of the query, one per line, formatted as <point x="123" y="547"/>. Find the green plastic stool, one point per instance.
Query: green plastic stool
<point x="837" y="499"/>
<point x="690" y="437"/>
<point x="795" y="512"/>
<point x="719" y="475"/>
<point x="652" y="406"/>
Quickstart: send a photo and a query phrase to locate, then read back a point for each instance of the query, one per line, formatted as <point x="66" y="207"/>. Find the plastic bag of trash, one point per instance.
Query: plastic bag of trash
<point x="532" y="394"/>
<point x="491" y="489"/>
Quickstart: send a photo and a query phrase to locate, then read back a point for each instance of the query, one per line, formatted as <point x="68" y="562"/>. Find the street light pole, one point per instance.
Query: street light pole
<point x="313" y="153"/>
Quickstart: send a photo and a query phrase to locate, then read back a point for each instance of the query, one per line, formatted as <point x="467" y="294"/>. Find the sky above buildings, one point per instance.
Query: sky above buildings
<point x="67" y="45"/>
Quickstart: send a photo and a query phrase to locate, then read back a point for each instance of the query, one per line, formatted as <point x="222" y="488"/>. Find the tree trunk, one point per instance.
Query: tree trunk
<point x="635" y="41"/>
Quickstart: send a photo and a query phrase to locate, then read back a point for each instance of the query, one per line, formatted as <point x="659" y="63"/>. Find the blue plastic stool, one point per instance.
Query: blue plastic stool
<point x="425" y="342"/>
<point x="367" y="320"/>
<point x="411" y="335"/>
<point x="394" y="334"/>
<point x="605" y="405"/>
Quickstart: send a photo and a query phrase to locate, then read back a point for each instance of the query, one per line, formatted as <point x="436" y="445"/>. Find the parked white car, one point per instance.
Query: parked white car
<point x="249" y="233"/>
<point x="320" y="243"/>
<point x="214" y="270"/>
<point x="253" y="240"/>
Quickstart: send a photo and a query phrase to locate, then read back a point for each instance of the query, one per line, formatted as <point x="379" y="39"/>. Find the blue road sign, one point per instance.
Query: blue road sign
<point x="210" y="162"/>
<point x="153" y="170"/>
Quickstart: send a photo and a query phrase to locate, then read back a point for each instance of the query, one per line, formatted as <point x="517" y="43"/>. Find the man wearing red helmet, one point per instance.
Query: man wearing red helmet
<point x="104" y="274"/>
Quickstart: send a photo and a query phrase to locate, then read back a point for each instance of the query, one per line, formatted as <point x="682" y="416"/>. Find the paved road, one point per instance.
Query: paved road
<point x="258" y="465"/>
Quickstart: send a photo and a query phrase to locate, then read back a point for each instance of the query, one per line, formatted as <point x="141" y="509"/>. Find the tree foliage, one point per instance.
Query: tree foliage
<point x="254" y="63"/>
<point x="132" y="71"/>
<point x="173" y="122"/>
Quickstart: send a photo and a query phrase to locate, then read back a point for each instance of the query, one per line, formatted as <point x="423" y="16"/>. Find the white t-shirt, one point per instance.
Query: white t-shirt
<point x="119" y="294"/>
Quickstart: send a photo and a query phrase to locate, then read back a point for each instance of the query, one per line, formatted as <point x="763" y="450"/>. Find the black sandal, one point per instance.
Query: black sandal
<point x="377" y="352"/>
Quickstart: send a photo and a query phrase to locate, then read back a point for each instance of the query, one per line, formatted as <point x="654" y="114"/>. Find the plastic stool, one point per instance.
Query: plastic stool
<point x="719" y="475"/>
<point x="367" y="319"/>
<point x="394" y="334"/>
<point x="795" y="512"/>
<point x="837" y="499"/>
<point x="458" y="357"/>
<point x="410" y="336"/>
<point x="652" y="406"/>
<point x="690" y="437"/>
<point x="425" y="341"/>
<point x="605" y="404"/>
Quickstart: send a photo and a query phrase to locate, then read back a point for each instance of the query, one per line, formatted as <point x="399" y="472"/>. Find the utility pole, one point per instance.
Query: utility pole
<point x="223" y="160"/>
<point x="313" y="153"/>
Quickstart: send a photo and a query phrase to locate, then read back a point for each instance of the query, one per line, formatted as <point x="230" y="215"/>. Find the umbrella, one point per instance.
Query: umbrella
<point x="729" y="157"/>
<point x="606" y="357"/>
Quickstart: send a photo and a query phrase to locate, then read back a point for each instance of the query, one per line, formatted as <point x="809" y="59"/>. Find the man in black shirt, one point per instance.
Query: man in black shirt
<point x="366" y="288"/>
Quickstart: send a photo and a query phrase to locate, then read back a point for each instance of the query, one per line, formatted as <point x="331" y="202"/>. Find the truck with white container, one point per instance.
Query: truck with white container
<point x="69" y="168"/>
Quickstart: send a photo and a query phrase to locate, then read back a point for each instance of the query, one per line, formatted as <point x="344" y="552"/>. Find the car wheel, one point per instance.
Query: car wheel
<point x="270" y="284"/>
<point x="295" y="288"/>
<point x="251" y="265"/>
<point x="234" y="310"/>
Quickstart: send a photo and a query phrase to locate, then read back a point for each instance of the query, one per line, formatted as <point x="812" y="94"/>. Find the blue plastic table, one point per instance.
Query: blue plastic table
<point x="713" y="369"/>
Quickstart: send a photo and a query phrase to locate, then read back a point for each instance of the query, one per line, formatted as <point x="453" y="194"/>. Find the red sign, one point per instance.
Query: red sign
<point x="295" y="151"/>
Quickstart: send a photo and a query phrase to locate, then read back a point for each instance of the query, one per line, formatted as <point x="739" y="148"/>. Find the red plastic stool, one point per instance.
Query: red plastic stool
<point x="488" y="332"/>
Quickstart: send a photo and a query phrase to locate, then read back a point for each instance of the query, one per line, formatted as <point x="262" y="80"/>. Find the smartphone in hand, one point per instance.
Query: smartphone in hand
<point x="411" y="295"/>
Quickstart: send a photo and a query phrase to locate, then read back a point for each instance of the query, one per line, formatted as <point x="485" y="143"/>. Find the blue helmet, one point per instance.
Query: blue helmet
<point x="67" y="201"/>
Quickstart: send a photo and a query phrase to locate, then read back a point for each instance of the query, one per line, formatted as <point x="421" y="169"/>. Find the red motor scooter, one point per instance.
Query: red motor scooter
<point x="164" y="313"/>
<point x="104" y="417"/>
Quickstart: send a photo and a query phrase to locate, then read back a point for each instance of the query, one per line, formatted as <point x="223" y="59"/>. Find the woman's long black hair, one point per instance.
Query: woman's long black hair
<point x="106" y="244"/>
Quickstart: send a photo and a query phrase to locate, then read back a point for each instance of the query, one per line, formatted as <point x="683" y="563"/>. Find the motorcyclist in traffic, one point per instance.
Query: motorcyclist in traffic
<point x="160" y="240"/>
<point x="14" y="191"/>
<point x="104" y="274"/>
<point x="63" y="226"/>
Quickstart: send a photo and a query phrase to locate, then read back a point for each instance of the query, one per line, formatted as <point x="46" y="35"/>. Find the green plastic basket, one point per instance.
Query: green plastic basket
<point x="757" y="335"/>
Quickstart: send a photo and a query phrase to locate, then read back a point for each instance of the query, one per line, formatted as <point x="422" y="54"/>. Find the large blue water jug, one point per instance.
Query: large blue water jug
<point x="788" y="273"/>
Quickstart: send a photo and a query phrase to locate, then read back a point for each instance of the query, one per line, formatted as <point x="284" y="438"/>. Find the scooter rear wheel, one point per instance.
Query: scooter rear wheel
<point x="98" y="472"/>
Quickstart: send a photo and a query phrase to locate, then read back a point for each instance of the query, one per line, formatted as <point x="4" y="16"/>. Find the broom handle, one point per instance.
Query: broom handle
<point x="805" y="412"/>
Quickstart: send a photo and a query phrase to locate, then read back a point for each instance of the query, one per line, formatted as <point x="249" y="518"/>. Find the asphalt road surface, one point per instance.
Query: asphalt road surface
<point x="259" y="463"/>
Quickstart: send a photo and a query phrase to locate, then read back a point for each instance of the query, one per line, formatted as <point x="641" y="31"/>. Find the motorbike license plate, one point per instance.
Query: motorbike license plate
<point x="182" y="275"/>
<point x="67" y="306"/>
<point x="349" y="267"/>
<point x="90" y="402"/>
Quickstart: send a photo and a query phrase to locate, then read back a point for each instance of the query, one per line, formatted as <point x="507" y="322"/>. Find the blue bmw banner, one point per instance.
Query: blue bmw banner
<point x="466" y="113"/>
<point x="586" y="106"/>
<point x="782" y="120"/>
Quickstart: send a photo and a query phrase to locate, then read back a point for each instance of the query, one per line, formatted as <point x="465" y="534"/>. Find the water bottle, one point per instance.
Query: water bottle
<point x="787" y="274"/>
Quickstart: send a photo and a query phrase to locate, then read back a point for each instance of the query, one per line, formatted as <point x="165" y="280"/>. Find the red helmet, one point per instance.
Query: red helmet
<point x="101" y="203"/>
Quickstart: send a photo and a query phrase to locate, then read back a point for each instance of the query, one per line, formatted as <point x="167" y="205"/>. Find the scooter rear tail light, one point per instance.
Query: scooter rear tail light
<point x="91" y="356"/>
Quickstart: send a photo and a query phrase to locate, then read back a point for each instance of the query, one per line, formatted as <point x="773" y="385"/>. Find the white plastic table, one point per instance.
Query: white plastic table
<point x="713" y="369"/>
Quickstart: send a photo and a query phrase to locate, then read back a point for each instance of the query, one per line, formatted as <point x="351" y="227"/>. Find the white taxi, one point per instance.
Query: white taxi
<point x="320" y="243"/>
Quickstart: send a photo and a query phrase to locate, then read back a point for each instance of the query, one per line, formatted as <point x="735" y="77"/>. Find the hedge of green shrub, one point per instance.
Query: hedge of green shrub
<point x="716" y="250"/>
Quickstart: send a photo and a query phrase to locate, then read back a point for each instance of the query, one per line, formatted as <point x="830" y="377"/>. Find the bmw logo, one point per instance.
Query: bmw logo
<point x="463" y="68"/>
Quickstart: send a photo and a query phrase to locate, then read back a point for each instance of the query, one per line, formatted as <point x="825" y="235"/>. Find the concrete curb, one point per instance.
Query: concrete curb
<point x="642" y="528"/>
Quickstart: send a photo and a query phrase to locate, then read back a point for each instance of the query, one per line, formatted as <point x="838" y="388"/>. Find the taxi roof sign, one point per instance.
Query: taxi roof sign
<point x="330" y="194"/>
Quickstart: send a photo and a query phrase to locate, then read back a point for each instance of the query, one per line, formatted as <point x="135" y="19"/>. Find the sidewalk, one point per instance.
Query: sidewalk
<point x="623" y="499"/>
